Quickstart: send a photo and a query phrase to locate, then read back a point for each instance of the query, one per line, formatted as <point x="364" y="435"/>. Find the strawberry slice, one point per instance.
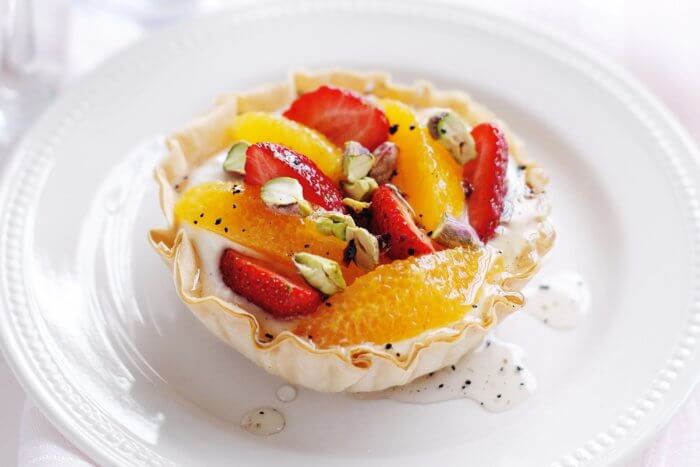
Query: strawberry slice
<point x="392" y="218"/>
<point x="486" y="179"/>
<point x="271" y="291"/>
<point x="341" y="115"/>
<point x="265" y="161"/>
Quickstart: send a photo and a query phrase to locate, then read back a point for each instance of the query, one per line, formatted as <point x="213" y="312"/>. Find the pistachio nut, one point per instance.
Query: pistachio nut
<point x="285" y="195"/>
<point x="450" y="131"/>
<point x="361" y="189"/>
<point x="385" y="157"/>
<point x="321" y="273"/>
<point x="357" y="161"/>
<point x="332" y="223"/>
<point x="356" y="206"/>
<point x="366" y="247"/>
<point x="235" y="159"/>
<point x="453" y="233"/>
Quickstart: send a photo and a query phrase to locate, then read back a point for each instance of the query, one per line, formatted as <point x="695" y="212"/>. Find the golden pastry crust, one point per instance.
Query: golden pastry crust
<point x="357" y="368"/>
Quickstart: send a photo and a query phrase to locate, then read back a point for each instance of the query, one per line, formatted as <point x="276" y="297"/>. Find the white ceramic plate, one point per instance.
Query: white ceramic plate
<point x="93" y="328"/>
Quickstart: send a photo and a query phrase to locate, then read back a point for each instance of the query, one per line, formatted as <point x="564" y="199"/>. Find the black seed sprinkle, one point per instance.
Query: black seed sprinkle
<point x="412" y="127"/>
<point x="522" y="384"/>
<point x="544" y="287"/>
<point x="328" y="304"/>
<point x="481" y="403"/>
<point x="242" y="230"/>
<point x="500" y="369"/>
<point x="431" y="374"/>
<point x="453" y="368"/>
<point x="195" y="222"/>
<point x="201" y="215"/>
<point x="468" y="382"/>
<point x="217" y="221"/>
<point x="499" y="395"/>
<point x="349" y="252"/>
<point x="411" y="252"/>
<point x="518" y="368"/>
<point x="310" y="337"/>
<point x="430" y="233"/>
<point x="398" y="354"/>
<point x="522" y="167"/>
<point x="234" y="205"/>
<point x="307" y="245"/>
<point x="177" y="186"/>
<point x="269" y="336"/>
<point x="388" y="346"/>
<point x="443" y="131"/>
<point x="475" y="305"/>
<point x="440" y="386"/>
<point x="261" y="412"/>
<point x="225" y="229"/>
<point x="393" y="128"/>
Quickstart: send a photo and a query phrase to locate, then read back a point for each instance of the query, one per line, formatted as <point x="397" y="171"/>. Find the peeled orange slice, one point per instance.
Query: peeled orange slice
<point x="238" y="213"/>
<point x="261" y="127"/>
<point x="400" y="300"/>
<point x="426" y="173"/>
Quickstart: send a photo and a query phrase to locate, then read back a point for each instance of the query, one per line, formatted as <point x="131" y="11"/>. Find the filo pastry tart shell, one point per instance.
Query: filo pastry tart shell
<point x="506" y="265"/>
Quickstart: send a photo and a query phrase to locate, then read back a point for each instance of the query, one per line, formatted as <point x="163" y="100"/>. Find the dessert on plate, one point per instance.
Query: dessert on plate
<point x="348" y="233"/>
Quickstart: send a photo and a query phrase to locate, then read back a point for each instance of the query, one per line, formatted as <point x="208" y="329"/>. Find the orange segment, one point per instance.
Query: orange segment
<point x="400" y="300"/>
<point x="427" y="174"/>
<point x="261" y="127"/>
<point x="244" y="219"/>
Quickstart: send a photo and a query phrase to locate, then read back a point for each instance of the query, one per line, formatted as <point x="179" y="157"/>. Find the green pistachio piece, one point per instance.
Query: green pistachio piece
<point x="362" y="189"/>
<point x="385" y="157"/>
<point x="235" y="159"/>
<point x="285" y="194"/>
<point x="367" y="247"/>
<point x="356" y="206"/>
<point x="357" y="161"/>
<point x="321" y="273"/>
<point x="450" y="131"/>
<point x="454" y="233"/>
<point x="333" y="223"/>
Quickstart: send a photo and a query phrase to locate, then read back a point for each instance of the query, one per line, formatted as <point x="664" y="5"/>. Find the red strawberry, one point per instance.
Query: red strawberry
<point x="486" y="177"/>
<point x="341" y="115"/>
<point x="271" y="291"/>
<point x="265" y="161"/>
<point x="391" y="216"/>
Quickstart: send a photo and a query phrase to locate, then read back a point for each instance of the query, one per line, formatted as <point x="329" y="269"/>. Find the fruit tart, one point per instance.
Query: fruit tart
<point x="348" y="233"/>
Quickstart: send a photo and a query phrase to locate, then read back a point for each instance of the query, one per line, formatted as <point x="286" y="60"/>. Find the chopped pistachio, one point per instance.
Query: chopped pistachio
<point x="356" y="206"/>
<point x="321" y="273"/>
<point x="453" y="233"/>
<point x="357" y="161"/>
<point x="333" y="223"/>
<point x="367" y="247"/>
<point x="450" y="131"/>
<point x="285" y="194"/>
<point x="235" y="159"/>
<point x="385" y="157"/>
<point x="362" y="189"/>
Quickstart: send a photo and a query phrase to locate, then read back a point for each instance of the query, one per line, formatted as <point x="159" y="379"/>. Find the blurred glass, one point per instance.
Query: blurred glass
<point x="32" y="57"/>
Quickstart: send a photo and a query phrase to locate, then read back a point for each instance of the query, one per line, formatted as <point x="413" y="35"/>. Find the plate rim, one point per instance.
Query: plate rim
<point x="606" y="72"/>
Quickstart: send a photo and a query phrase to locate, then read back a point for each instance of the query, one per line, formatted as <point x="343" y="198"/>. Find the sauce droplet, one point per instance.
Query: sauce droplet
<point x="263" y="421"/>
<point x="493" y="375"/>
<point x="560" y="301"/>
<point x="286" y="393"/>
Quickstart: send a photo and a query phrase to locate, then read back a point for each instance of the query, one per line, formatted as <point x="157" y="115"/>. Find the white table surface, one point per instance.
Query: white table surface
<point x="656" y="41"/>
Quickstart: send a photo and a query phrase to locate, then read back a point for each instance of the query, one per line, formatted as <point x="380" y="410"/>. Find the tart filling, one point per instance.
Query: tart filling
<point x="354" y="236"/>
